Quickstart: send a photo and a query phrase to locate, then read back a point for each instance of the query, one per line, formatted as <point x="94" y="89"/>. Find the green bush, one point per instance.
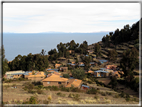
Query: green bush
<point x="32" y="100"/>
<point x="59" y="93"/>
<point x="66" y="75"/>
<point x="74" y="96"/>
<point x="122" y="94"/>
<point x="54" y="88"/>
<point x="96" y="97"/>
<point x="40" y="86"/>
<point x="39" y="91"/>
<point x="103" y="94"/>
<point x="92" y="91"/>
<point x="31" y="91"/>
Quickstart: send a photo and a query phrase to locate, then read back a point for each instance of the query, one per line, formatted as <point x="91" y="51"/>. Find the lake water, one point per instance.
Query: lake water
<point x="23" y="44"/>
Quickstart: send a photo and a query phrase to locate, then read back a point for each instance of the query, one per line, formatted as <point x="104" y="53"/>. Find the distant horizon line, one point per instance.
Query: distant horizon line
<point x="59" y="32"/>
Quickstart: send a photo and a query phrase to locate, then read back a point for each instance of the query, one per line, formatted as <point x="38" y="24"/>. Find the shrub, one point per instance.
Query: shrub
<point x="45" y="102"/>
<point x="39" y="91"/>
<point x="103" y="94"/>
<point x="116" y="96"/>
<point x="31" y="91"/>
<point x="74" y="96"/>
<point x="59" y="93"/>
<point x="71" y="95"/>
<point x="49" y="97"/>
<point x="96" y="97"/>
<point x="66" y="75"/>
<point x="62" y="88"/>
<point x="37" y="83"/>
<point x="40" y="86"/>
<point x="32" y="100"/>
<point x="92" y="91"/>
<point x="122" y="94"/>
<point x="54" y="88"/>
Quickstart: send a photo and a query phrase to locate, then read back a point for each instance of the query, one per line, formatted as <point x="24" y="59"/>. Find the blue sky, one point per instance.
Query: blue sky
<point x="68" y="17"/>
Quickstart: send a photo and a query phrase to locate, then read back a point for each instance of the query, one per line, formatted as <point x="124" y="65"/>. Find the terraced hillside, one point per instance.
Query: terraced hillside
<point x="119" y="49"/>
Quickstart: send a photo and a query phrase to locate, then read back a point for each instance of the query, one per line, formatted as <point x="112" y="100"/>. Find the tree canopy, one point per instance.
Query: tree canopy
<point x="4" y="62"/>
<point x="78" y="73"/>
<point x="112" y="55"/>
<point x="30" y="62"/>
<point x="129" y="61"/>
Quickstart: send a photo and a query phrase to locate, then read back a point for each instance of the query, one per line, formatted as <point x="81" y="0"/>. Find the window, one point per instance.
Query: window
<point x="48" y="82"/>
<point x="59" y="82"/>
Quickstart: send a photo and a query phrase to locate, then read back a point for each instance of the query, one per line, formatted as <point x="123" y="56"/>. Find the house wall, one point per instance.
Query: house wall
<point x="36" y="78"/>
<point x="101" y="74"/>
<point x="17" y="76"/>
<point x="55" y="83"/>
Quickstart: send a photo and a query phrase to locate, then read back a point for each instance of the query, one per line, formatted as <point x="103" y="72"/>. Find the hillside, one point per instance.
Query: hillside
<point x="119" y="40"/>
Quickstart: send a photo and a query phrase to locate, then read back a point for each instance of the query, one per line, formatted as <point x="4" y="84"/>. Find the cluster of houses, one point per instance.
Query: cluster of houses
<point x="109" y="70"/>
<point x="53" y="77"/>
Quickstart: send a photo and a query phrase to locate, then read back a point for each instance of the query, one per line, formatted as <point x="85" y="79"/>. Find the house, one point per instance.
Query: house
<point x="55" y="80"/>
<point x="116" y="74"/>
<point x="93" y="56"/>
<point x="75" y="83"/>
<point x="51" y="71"/>
<point x="14" y="74"/>
<point x="90" y="52"/>
<point x="37" y="77"/>
<point x="103" y="61"/>
<point x="71" y="51"/>
<point x="27" y="73"/>
<point x="92" y="63"/>
<point x="61" y="59"/>
<point x="57" y="65"/>
<point x="63" y="69"/>
<point x="84" y="87"/>
<point x="113" y="67"/>
<point x="81" y="64"/>
<point x="92" y="72"/>
<point x="101" y="73"/>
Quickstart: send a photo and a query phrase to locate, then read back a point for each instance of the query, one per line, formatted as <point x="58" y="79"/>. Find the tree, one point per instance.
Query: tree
<point x="4" y="62"/>
<point x="129" y="61"/>
<point x="113" y="82"/>
<point x="97" y="49"/>
<point x="78" y="73"/>
<point x="86" y="62"/>
<point x="66" y="75"/>
<point x="43" y="52"/>
<point x="112" y="55"/>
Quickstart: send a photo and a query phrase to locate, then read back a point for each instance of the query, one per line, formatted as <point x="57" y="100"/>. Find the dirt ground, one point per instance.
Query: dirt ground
<point x="11" y="94"/>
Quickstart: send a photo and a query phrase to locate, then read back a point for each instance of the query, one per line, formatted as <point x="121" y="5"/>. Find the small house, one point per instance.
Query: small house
<point x="101" y="73"/>
<point x="55" y="80"/>
<point x="63" y="69"/>
<point x="57" y="65"/>
<point x="37" y="77"/>
<point x="71" y="51"/>
<point x="84" y="87"/>
<point x="112" y="67"/>
<point x="75" y="83"/>
<point x="61" y="59"/>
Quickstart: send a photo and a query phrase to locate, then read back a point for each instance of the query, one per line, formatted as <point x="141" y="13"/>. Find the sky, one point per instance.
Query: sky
<point x="68" y="17"/>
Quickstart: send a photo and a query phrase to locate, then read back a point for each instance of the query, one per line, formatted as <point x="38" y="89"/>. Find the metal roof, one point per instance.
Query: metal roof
<point x="18" y="73"/>
<point x="85" y="86"/>
<point x="82" y="65"/>
<point x="102" y="71"/>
